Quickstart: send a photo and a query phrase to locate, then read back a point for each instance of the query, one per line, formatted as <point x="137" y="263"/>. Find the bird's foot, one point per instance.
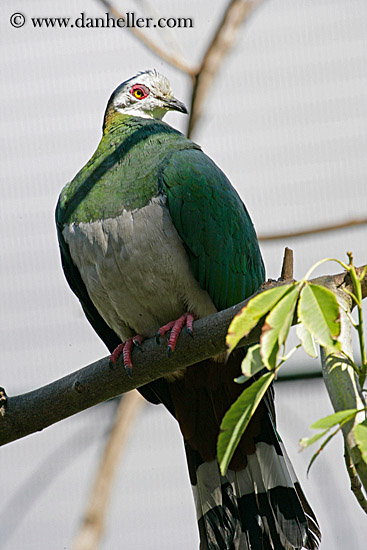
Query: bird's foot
<point x="175" y="327"/>
<point x="125" y="348"/>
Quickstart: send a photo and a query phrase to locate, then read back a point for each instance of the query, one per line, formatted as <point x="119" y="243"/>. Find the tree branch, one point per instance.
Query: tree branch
<point x="175" y="60"/>
<point x="312" y="230"/>
<point x="92" y="526"/>
<point x="30" y="412"/>
<point x="224" y="38"/>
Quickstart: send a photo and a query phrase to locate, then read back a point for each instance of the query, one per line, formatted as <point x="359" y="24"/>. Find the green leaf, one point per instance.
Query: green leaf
<point x="241" y="379"/>
<point x="306" y="339"/>
<point x="340" y="417"/>
<point x="277" y="325"/>
<point x="327" y="422"/>
<point x="251" y="314"/>
<point x="252" y="363"/>
<point x="318" y="310"/>
<point x="307" y="441"/>
<point x="332" y="419"/>
<point x="360" y="433"/>
<point x="237" y="418"/>
<point x="321" y="448"/>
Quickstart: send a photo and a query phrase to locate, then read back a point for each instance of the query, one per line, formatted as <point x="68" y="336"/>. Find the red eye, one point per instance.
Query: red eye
<point x="139" y="91"/>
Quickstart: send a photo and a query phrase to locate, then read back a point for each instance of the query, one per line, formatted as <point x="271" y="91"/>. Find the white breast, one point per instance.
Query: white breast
<point x="136" y="270"/>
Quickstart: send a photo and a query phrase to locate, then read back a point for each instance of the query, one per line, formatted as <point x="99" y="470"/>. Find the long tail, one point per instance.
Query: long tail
<point x="261" y="507"/>
<point x="258" y="504"/>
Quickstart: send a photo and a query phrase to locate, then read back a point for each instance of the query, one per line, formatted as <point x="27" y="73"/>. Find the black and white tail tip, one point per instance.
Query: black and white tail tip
<point x="261" y="507"/>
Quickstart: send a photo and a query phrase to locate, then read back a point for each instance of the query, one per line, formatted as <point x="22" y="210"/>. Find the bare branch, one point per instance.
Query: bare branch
<point x="27" y="413"/>
<point x="175" y="60"/>
<point x="312" y="230"/>
<point x="92" y="527"/>
<point x="167" y="34"/>
<point x="224" y="38"/>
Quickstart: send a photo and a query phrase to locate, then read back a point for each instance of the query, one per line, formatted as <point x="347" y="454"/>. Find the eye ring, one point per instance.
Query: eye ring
<point x="139" y="91"/>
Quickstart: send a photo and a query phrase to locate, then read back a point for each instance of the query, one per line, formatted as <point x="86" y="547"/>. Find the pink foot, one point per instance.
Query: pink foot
<point x="175" y="327"/>
<point x="125" y="349"/>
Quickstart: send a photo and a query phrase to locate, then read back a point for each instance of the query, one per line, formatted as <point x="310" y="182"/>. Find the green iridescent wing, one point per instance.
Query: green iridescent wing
<point x="215" y="227"/>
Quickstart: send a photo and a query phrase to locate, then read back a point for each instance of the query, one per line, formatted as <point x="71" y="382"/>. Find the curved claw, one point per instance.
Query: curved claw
<point x="175" y="327"/>
<point x="137" y="340"/>
<point x="163" y="330"/>
<point x="125" y="349"/>
<point x="129" y="371"/>
<point x="189" y="323"/>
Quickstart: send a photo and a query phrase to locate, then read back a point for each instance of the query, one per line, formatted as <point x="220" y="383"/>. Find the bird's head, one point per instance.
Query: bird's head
<point x="147" y="95"/>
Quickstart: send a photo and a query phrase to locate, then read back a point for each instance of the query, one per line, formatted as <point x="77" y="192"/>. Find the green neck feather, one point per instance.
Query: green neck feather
<point x="124" y="171"/>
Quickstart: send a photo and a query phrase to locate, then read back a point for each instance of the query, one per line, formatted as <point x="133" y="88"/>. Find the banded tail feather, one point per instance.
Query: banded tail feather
<point x="261" y="507"/>
<point x="258" y="504"/>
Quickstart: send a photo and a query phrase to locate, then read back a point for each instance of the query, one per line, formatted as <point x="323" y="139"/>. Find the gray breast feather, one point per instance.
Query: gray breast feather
<point x="136" y="270"/>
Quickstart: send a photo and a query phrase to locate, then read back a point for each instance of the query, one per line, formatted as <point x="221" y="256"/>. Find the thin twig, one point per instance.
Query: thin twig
<point x="312" y="230"/>
<point x="224" y="38"/>
<point x="175" y="60"/>
<point x="167" y="34"/>
<point x="92" y="526"/>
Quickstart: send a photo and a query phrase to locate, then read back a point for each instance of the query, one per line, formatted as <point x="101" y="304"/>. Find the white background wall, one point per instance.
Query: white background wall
<point x="286" y="119"/>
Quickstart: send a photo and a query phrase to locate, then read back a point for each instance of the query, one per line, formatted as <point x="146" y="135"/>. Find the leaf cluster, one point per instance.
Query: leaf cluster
<point x="316" y="312"/>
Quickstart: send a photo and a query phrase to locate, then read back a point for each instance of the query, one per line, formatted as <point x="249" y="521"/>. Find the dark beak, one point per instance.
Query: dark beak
<point x="175" y="105"/>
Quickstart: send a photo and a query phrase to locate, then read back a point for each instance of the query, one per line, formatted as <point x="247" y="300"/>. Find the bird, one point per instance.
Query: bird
<point x="153" y="236"/>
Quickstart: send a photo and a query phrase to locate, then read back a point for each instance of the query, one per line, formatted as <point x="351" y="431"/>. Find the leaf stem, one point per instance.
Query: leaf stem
<point x="328" y="439"/>
<point x="320" y="262"/>
<point x="287" y="356"/>
<point x="358" y="301"/>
